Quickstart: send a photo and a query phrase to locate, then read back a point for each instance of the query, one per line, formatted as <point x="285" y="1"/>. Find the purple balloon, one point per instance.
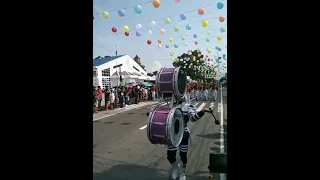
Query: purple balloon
<point x="219" y="49"/>
<point x="195" y="36"/>
<point x="138" y="33"/>
<point x="183" y="17"/>
<point x="167" y="46"/>
<point x="121" y="12"/>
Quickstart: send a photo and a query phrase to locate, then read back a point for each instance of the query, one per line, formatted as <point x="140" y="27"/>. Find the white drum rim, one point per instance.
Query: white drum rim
<point x="175" y="81"/>
<point x="169" y="122"/>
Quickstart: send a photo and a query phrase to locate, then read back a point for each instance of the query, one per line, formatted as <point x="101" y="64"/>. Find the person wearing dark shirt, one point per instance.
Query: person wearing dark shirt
<point x="107" y="98"/>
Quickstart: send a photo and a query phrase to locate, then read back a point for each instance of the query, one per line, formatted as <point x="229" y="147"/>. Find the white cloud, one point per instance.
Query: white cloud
<point x="156" y="66"/>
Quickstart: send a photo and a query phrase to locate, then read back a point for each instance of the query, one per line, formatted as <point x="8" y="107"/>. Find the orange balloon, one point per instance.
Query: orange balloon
<point x="159" y="41"/>
<point x="221" y="18"/>
<point x="196" y="42"/>
<point x="156" y="3"/>
<point x="201" y="11"/>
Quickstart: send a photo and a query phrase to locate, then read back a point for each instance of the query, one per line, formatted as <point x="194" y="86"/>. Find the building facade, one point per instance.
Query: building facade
<point x="107" y="71"/>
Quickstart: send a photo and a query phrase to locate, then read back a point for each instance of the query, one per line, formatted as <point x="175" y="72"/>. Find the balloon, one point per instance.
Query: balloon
<point x="150" y="32"/>
<point x="218" y="49"/>
<point x="188" y="27"/>
<point x="170" y="39"/>
<point x="159" y="46"/>
<point x="176" y="1"/>
<point x="222" y="30"/>
<point x="220" y="5"/>
<point x="204" y="23"/>
<point x="138" y="26"/>
<point x="156" y="3"/>
<point x="167" y="20"/>
<point x="207" y="40"/>
<point x="175" y="45"/>
<point x="221" y="18"/>
<point x="209" y="33"/>
<point x="126" y="33"/>
<point x="121" y="12"/>
<point x="114" y="29"/>
<point x="105" y="14"/>
<point x="138" y="33"/>
<point x="149" y="42"/>
<point x="195" y="36"/>
<point x="167" y="46"/>
<point x="186" y="43"/>
<point x="183" y="17"/>
<point x="219" y="38"/>
<point x="196" y="43"/>
<point x="159" y="41"/>
<point x="171" y="54"/>
<point x="183" y="38"/>
<point x="125" y="28"/>
<point x="176" y="28"/>
<point x="137" y="9"/>
<point x="201" y="11"/>
<point x="152" y="24"/>
<point x="162" y="31"/>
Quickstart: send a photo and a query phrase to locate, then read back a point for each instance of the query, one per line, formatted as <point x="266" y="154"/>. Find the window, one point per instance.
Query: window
<point x="106" y="72"/>
<point x="95" y="74"/>
<point x="106" y="82"/>
<point x="117" y="66"/>
<point x="136" y="68"/>
<point x="142" y="73"/>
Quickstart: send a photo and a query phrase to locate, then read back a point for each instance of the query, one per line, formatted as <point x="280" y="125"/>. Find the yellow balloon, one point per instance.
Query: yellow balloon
<point x="105" y="14"/>
<point x="204" y="23"/>
<point x="219" y="38"/>
<point x="170" y="39"/>
<point x="167" y="20"/>
<point x="125" y="28"/>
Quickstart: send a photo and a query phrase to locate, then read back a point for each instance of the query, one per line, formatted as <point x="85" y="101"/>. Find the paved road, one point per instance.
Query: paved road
<point x="121" y="150"/>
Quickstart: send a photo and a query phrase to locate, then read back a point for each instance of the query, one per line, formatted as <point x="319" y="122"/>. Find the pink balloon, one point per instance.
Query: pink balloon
<point x="176" y="1"/>
<point x="162" y="31"/>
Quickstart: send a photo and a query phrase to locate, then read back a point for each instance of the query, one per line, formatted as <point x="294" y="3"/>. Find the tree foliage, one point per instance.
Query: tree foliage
<point x="194" y="64"/>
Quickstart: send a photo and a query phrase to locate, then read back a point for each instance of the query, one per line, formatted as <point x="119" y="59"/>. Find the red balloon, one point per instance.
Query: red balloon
<point x="149" y="42"/>
<point x="126" y="33"/>
<point x="114" y="29"/>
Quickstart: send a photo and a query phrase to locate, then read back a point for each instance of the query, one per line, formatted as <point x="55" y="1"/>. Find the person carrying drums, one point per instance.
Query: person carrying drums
<point x="189" y="113"/>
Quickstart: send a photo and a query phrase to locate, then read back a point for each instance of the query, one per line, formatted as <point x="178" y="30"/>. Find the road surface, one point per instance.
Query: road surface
<point x="121" y="150"/>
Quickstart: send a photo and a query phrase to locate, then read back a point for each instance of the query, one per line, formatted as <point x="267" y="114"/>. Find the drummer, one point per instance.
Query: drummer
<point x="189" y="113"/>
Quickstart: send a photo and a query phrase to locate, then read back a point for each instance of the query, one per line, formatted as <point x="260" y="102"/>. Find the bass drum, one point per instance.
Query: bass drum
<point x="171" y="81"/>
<point x="165" y="126"/>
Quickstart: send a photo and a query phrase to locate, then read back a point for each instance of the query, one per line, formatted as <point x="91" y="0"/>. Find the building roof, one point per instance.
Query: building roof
<point x="137" y="57"/>
<point x="100" y="61"/>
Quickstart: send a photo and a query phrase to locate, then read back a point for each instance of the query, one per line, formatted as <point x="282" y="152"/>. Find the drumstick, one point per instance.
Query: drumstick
<point x="215" y="119"/>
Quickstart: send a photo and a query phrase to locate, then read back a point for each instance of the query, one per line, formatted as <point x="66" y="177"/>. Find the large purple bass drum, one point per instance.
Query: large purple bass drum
<point x="165" y="126"/>
<point x="171" y="81"/>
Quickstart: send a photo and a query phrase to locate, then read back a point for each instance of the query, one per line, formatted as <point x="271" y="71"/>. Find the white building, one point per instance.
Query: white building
<point x="107" y="71"/>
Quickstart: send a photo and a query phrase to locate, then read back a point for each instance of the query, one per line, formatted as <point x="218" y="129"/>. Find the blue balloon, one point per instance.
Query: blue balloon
<point x="121" y="12"/>
<point x="220" y="5"/>
<point x="176" y="46"/>
<point x="137" y="9"/>
<point x="138" y="33"/>
<point x="222" y="30"/>
<point x="188" y="27"/>
<point x="167" y="46"/>
<point x="195" y="36"/>
<point x="183" y="17"/>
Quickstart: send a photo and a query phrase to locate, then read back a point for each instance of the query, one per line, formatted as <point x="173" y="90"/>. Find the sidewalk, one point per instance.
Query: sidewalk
<point x="104" y="114"/>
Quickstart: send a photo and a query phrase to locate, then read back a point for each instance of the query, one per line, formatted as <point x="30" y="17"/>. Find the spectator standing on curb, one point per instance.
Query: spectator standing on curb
<point x="107" y="97"/>
<point x="112" y="98"/>
<point x="99" y="94"/>
<point x="115" y="92"/>
<point x="94" y="100"/>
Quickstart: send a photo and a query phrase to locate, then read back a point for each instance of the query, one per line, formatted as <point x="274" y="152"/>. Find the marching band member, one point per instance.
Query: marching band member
<point x="189" y="113"/>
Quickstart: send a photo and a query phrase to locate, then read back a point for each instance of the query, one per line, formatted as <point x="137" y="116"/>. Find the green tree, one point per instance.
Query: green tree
<point x="193" y="63"/>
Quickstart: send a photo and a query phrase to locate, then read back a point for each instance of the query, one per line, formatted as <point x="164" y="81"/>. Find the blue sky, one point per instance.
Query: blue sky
<point x="152" y="56"/>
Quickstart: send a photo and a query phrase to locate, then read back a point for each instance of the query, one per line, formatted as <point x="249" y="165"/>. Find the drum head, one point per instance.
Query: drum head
<point x="181" y="83"/>
<point x="175" y="127"/>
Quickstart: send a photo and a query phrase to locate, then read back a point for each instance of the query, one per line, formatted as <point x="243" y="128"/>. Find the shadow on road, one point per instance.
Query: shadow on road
<point x="214" y="136"/>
